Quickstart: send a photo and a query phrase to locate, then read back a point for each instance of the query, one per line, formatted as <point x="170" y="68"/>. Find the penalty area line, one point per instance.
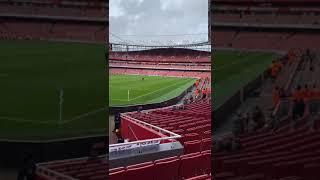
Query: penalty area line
<point x="83" y="115"/>
<point x="154" y="91"/>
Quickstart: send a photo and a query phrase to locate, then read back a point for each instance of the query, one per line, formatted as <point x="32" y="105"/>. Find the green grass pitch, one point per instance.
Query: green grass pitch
<point x="31" y="76"/>
<point x="152" y="89"/>
<point x="234" y="69"/>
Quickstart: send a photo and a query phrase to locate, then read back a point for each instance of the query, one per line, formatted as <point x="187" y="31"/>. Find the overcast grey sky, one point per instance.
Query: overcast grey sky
<point x="148" y="21"/>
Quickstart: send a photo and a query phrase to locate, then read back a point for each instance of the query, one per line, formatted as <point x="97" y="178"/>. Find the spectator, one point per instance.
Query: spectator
<point x="185" y="101"/>
<point x="275" y="96"/>
<point x="245" y="120"/>
<point x="27" y="171"/>
<point x="298" y="103"/>
<point x="238" y="126"/>
<point x="196" y="84"/>
<point x="313" y="102"/>
<point x="197" y="91"/>
<point x="204" y="93"/>
<point x="282" y="93"/>
<point x="305" y="93"/>
<point x="190" y="100"/>
<point x="116" y="122"/>
<point x="308" y="55"/>
<point x="252" y="126"/>
<point x="258" y="118"/>
<point x="274" y="70"/>
<point x="120" y="139"/>
<point x="273" y="122"/>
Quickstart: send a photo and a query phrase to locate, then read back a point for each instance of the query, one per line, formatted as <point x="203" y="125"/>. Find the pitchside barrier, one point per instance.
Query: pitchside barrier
<point x="150" y="143"/>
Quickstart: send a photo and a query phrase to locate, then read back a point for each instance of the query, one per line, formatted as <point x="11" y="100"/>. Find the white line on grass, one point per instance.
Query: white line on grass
<point x="154" y="91"/>
<point x="148" y="93"/>
<point x="83" y="115"/>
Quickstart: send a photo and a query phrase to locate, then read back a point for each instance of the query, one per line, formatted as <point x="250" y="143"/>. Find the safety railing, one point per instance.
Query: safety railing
<point x="143" y="143"/>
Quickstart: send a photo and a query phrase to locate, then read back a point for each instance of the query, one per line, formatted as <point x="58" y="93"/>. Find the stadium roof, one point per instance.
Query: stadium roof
<point x="159" y="40"/>
<point x="201" y="46"/>
<point x="158" y="23"/>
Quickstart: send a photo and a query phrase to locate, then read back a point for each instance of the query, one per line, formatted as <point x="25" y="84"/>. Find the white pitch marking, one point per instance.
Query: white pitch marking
<point x="83" y="115"/>
<point x="154" y="91"/>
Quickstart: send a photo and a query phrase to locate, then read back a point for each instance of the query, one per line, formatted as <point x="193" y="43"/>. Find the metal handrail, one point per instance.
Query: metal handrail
<point x="172" y="135"/>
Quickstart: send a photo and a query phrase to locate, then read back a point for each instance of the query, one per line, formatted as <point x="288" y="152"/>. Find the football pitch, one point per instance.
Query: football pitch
<point x="52" y="90"/>
<point x="234" y="69"/>
<point x="134" y="89"/>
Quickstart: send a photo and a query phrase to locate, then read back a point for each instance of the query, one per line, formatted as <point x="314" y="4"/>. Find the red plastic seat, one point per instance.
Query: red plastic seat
<point x="168" y="165"/>
<point x="206" y="144"/>
<point x="205" y="165"/>
<point x="189" y="165"/>
<point x="116" y="169"/>
<point x="117" y="175"/>
<point x="192" y="146"/>
<point x="191" y="137"/>
<point x="140" y="171"/>
<point x="206" y="134"/>
<point x="310" y="171"/>
<point x="201" y="177"/>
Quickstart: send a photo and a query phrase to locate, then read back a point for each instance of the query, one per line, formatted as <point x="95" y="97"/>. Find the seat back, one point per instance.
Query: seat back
<point x="191" y="137"/>
<point x="167" y="169"/>
<point x="201" y="177"/>
<point x="189" y="165"/>
<point x="117" y="175"/>
<point x="140" y="171"/>
<point x="192" y="146"/>
<point x="205" y="165"/>
<point x="206" y="144"/>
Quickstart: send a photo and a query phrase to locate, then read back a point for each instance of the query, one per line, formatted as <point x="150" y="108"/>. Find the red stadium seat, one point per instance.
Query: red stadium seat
<point x="206" y="144"/>
<point x="189" y="166"/>
<point x="117" y="175"/>
<point x="170" y="166"/>
<point x="206" y="134"/>
<point x="310" y="171"/>
<point x="116" y="169"/>
<point x="191" y="137"/>
<point x="140" y="171"/>
<point x="205" y="165"/>
<point x="192" y="146"/>
<point x="200" y="177"/>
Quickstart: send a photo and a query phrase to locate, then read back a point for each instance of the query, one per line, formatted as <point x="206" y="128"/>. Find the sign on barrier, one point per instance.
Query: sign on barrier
<point x="126" y="146"/>
<point x="143" y="143"/>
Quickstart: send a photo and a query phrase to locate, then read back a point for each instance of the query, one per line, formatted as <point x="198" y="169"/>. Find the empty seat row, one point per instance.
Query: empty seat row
<point x="185" y="166"/>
